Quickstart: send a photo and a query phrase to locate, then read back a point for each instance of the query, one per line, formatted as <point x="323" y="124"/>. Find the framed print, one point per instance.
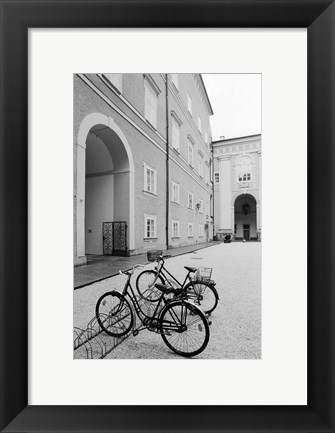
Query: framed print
<point x="138" y="412"/>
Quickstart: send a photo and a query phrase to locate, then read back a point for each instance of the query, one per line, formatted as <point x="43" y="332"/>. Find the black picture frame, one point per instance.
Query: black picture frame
<point x="318" y="17"/>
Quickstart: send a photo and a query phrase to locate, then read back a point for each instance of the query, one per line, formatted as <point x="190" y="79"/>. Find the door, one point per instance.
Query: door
<point x="114" y="238"/>
<point x="246" y="232"/>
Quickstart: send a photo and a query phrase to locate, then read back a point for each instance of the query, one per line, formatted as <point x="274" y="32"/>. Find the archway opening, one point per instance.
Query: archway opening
<point x="245" y="224"/>
<point x="106" y="193"/>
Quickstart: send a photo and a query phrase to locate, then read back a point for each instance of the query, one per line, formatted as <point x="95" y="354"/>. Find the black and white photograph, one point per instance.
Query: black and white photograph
<point x="167" y="216"/>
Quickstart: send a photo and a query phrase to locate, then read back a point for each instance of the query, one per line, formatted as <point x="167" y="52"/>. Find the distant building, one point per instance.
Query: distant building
<point x="142" y="163"/>
<point x="237" y="187"/>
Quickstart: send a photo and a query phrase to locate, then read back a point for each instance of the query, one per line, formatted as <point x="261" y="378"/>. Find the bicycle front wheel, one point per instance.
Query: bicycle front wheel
<point x="145" y="285"/>
<point x="114" y="314"/>
<point x="203" y="294"/>
<point x="184" y="328"/>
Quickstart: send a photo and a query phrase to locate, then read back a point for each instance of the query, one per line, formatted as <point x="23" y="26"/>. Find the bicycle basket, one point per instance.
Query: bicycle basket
<point x="153" y="255"/>
<point x="203" y="274"/>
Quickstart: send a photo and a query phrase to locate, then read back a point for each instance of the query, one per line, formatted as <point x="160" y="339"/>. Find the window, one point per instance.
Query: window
<point x="115" y="80"/>
<point x="199" y="124"/>
<point x="201" y="166"/>
<point x="150" y="103"/>
<point x="190" y="152"/>
<point x="201" y="230"/>
<point x="174" y="78"/>
<point x="175" y="228"/>
<point x="190" y="200"/>
<point x="207" y="209"/>
<point x="201" y="205"/>
<point x="190" y="230"/>
<point x="150" y="179"/>
<point x="150" y="226"/>
<point x="217" y="177"/>
<point x="175" y="192"/>
<point x="244" y="177"/>
<point x="175" y="129"/>
<point x="206" y="172"/>
<point x="189" y="103"/>
<point x="244" y="168"/>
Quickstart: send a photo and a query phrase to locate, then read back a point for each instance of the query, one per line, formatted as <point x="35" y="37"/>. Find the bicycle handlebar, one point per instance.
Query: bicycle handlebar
<point x="130" y="272"/>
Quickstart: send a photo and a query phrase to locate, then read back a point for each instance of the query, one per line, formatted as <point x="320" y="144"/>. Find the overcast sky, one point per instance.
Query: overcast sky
<point x="236" y="102"/>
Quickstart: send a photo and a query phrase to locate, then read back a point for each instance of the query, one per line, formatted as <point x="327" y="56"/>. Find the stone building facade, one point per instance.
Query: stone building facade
<point x="142" y="163"/>
<point x="238" y="187"/>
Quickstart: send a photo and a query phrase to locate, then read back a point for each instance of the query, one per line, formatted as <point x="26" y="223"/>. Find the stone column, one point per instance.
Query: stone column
<point x="258" y="217"/>
<point x="258" y="207"/>
<point x="225" y="193"/>
<point x="81" y="161"/>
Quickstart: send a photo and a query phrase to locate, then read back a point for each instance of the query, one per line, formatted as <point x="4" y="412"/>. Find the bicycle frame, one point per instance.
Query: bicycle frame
<point x="161" y="270"/>
<point x="146" y="320"/>
<point x="153" y="322"/>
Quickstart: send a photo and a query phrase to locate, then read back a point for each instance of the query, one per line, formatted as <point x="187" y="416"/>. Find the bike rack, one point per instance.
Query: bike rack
<point x="81" y="341"/>
<point x="93" y="343"/>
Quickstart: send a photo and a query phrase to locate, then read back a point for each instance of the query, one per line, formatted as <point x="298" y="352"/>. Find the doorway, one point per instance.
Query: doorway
<point x="246" y="232"/>
<point x="245" y="224"/>
<point x="106" y="192"/>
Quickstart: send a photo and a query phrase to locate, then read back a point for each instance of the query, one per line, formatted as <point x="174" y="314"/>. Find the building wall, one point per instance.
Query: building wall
<point x="232" y="158"/>
<point x="93" y="93"/>
<point x="181" y="171"/>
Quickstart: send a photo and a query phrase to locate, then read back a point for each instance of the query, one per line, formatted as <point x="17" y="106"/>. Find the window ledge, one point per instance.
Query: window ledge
<point x="175" y="202"/>
<point x="151" y="194"/>
<point x="150" y="239"/>
<point x="175" y="237"/>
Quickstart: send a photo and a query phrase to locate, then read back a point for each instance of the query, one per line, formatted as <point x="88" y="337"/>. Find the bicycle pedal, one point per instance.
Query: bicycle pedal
<point x="136" y="332"/>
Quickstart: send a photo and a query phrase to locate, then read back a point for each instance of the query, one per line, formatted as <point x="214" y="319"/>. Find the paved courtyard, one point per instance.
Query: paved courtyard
<point x="236" y="322"/>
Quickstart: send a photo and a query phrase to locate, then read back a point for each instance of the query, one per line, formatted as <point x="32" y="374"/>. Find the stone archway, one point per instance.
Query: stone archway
<point x="245" y="217"/>
<point x="104" y="183"/>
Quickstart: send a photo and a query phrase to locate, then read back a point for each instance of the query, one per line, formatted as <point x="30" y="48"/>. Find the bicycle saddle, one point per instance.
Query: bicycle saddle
<point x="165" y="288"/>
<point x="190" y="268"/>
<point x="128" y="272"/>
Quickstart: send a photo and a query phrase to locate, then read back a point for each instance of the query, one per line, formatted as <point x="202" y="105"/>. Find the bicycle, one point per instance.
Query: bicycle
<point x="202" y="292"/>
<point x="183" y="326"/>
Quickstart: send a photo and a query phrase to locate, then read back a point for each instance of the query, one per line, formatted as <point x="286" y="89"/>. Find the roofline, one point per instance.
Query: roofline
<point x="235" y="138"/>
<point x="207" y="97"/>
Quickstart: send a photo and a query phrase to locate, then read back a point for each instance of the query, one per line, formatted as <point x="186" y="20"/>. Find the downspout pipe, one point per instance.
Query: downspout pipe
<point x="212" y="152"/>
<point x="167" y="160"/>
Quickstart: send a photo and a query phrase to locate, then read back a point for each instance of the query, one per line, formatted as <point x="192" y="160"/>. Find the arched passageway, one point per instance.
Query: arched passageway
<point x="245" y="219"/>
<point x="106" y="193"/>
<point x="105" y="189"/>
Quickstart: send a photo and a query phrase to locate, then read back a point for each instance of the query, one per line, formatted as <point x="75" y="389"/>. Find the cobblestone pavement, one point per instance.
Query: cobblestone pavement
<point x="236" y="322"/>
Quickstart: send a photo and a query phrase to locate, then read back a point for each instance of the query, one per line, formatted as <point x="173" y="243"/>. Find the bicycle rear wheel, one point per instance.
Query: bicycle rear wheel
<point x="145" y="285"/>
<point x="184" y="328"/>
<point x="203" y="294"/>
<point x="114" y="314"/>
